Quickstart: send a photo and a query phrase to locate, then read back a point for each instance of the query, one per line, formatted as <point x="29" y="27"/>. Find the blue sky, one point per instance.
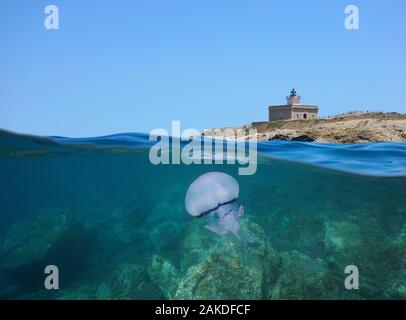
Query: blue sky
<point x="132" y="66"/>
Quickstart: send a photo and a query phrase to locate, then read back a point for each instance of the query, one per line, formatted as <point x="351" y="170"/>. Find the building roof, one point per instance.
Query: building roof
<point x="294" y="106"/>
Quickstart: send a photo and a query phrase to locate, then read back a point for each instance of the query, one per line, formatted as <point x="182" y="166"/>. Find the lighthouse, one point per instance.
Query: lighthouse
<point x="293" y="98"/>
<point x="293" y="110"/>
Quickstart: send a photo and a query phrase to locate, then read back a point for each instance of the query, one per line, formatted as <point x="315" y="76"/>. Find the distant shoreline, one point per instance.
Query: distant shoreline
<point x="362" y="127"/>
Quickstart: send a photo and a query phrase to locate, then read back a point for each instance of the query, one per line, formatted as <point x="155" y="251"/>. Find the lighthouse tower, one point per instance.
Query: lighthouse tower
<point x="293" y="110"/>
<point x="293" y="98"/>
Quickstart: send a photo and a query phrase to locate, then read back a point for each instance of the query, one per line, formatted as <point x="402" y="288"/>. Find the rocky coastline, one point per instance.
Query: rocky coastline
<point x="346" y="128"/>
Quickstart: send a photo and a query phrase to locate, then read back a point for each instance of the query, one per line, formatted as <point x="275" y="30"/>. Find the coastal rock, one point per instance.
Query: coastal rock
<point x="279" y="137"/>
<point x="347" y="128"/>
<point x="304" y="138"/>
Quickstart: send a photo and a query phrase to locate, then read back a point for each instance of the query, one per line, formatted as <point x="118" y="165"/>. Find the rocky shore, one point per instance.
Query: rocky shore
<point x="346" y="128"/>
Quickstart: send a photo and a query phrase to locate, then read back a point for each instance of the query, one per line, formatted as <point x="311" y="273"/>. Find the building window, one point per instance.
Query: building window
<point x="304" y="116"/>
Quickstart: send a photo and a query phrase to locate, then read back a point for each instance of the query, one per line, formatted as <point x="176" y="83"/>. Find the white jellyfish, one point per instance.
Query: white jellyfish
<point x="215" y="194"/>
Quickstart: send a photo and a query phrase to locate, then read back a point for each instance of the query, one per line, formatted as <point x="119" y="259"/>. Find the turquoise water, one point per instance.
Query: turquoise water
<point x="116" y="227"/>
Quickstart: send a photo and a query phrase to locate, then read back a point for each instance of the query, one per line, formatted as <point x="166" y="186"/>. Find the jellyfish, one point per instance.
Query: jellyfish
<point x="214" y="195"/>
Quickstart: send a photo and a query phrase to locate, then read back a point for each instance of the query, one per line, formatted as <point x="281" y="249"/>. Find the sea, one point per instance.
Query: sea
<point x="328" y="221"/>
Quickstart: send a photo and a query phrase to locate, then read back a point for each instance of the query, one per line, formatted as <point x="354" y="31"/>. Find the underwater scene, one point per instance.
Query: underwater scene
<point x="119" y="227"/>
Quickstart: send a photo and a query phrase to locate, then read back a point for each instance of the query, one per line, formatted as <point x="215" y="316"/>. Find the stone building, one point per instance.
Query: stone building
<point x="293" y="110"/>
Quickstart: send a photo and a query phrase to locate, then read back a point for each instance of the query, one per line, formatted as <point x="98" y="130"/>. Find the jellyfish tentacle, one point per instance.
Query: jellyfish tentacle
<point x="214" y="224"/>
<point x="225" y="210"/>
<point x="244" y="236"/>
<point x="216" y="228"/>
<point x="241" y="210"/>
<point x="242" y="245"/>
<point x="235" y="240"/>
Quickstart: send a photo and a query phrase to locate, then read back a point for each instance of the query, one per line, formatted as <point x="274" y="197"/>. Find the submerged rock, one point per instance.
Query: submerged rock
<point x="127" y="281"/>
<point x="212" y="267"/>
<point x="160" y="232"/>
<point x="165" y="236"/>
<point x="38" y="237"/>
<point x="131" y="281"/>
<point x="221" y="277"/>
<point x="198" y="244"/>
<point x="396" y="288"/>
<point x="51" y="237"/>
<point x="301" y="277"/>
<point x="364" y="242"/>
<point x="164" y="275"/>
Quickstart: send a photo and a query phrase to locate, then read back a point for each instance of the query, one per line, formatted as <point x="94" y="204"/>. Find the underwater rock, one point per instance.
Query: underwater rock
<point x="211" y="267"/>
<point x="115" y="241"/>
<point x="126" y="281"/>
<point x="198" y="244"/>
<point x="165" y="235"/>
<point x="49" y="238"/>
<point x="7" y="291"/>
<point x="131" y="281"/>
<point x="123" y="233"/>
<point x="115" y="233"/>
<point x="134" y="211"/>
<point x="303" y="232"/>
<point x="161" y="232"/>
<point x="221" y="272"/>
<point x="37" y="238"/>
<point x="361" y="241"/>
<point x="396" y="288"/>
<point x="164" y="275"/>
<point x="104" y="291"/>
<point x="301" y="277"/>
<point x="342" y="238"/>
<point x="221" y="277"/>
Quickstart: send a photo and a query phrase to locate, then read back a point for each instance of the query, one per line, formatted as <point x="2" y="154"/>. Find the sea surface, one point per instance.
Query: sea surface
<point x="116" y="227"/>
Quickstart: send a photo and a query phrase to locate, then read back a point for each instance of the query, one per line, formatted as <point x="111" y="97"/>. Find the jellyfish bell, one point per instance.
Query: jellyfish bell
<point x="215" y="195"/>
<point x="209" y="192"/>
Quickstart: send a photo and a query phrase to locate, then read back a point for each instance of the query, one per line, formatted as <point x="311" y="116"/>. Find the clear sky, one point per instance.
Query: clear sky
<point x="132" y="66"/>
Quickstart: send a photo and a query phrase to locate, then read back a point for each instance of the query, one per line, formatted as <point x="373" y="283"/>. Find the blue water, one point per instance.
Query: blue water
<point x="116" y="226"/>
